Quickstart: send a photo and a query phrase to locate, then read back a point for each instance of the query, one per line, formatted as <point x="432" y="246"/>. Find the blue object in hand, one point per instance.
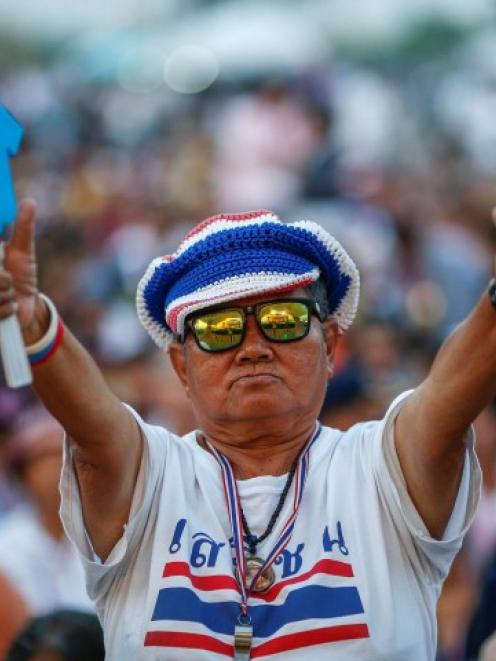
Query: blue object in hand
<point x="10" y="138"/>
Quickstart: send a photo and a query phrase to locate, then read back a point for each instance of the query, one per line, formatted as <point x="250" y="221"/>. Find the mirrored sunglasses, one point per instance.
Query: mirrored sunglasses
<point x="281" y="320"/>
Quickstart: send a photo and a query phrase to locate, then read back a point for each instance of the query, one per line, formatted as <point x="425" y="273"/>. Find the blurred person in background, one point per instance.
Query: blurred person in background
<point x="147" y="509"/>
<point x="482" y="627"/>
<point x="12" y="405"/>
<point x="13" y="614"/>
<point x="387" y="358"/>
<point x="481" y="543"/>
<point x="149" y="384"/>
<point x="274" y="136"/>
<point x="39" y="567"/>
<point x="455" y="608"/>
<point x="63" y="635"/>
<point x="350" y="400"/>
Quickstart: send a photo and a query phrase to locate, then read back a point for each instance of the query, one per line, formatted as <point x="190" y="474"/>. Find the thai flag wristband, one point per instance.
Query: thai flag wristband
<point x="46" y="346"/>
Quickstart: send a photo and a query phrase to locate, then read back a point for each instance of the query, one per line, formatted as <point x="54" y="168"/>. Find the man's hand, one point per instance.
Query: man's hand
<point x="18" y="280"/>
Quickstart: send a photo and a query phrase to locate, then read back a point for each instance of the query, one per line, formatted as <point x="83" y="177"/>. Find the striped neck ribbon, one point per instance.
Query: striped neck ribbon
<point x="234" y="512"/>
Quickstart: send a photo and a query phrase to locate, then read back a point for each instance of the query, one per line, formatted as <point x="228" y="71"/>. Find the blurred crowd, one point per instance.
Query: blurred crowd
<point x="119" y="179"/>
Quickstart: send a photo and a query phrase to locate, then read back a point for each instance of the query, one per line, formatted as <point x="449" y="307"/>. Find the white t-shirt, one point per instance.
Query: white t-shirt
<point x="359" y="579"/>
<point x="47" y="573"/>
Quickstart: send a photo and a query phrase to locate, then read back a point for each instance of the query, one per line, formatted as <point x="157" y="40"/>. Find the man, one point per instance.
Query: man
<point x="260" y="535"/>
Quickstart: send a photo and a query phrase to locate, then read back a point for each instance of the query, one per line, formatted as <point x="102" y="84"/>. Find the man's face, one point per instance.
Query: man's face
<point x="259" y="379"/>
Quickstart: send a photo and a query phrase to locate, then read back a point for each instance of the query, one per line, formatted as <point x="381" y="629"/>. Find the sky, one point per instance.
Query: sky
<point x="57" y="18"/>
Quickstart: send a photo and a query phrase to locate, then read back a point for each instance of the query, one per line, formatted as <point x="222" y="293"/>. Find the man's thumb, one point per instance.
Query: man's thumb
<point x="23" y="234"/>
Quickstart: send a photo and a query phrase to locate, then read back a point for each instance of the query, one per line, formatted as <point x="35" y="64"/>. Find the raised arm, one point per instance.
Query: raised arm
<point x="431" y="427"/>
<point x="104" y="435"/>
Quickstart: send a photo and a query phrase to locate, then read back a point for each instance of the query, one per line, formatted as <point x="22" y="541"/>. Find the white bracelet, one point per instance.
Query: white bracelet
<point x="49" y="337"/>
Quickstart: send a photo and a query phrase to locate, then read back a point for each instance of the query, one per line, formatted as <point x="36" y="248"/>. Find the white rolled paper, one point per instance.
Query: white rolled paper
<point x="15" y="362"/>
<point x="14" y="358"/>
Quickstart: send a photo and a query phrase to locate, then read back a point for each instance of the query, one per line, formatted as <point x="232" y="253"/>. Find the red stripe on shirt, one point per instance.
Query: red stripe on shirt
<point x="206" y="583"/>
<point x="329" y="567"/>
<point x="222" y="582"/>
<point x="277" y="645"/>
<point x="188" y="641"/>
<point x="295" y="641"/>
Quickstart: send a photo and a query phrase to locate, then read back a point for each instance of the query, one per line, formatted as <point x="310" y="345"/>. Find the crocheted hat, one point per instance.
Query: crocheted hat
<point x="231" y="257"/>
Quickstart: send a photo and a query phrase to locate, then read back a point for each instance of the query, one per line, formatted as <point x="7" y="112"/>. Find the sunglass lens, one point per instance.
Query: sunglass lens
<point x="284" y="321"/>
<point x="217" y="331"/>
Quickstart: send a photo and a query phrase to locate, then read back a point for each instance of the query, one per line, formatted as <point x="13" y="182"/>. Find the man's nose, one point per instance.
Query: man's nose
<point x="255" y="347"/>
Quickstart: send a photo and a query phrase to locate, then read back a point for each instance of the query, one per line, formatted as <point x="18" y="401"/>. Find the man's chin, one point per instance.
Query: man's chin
<point x="259" y="406"/>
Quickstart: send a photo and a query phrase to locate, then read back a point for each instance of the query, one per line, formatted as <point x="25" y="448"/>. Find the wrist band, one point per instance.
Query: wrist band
<point x="47" y="345"/>
<point x="492" y="292"/>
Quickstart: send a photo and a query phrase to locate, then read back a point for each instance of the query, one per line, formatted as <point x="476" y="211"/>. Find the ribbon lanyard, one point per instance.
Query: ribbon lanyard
<point x="243" y="633"/>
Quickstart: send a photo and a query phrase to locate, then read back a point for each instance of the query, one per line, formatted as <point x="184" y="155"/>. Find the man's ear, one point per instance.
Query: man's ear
<point x="178" y="360"/>
<point x="331" y="336"/>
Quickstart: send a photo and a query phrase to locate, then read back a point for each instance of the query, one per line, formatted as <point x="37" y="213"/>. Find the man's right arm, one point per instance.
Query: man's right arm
<point x="105" y="438"/>
<point x="104" y="435"/>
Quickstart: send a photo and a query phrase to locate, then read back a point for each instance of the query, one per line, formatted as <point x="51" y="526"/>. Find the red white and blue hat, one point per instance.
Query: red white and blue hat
<point x="234" y="256"/>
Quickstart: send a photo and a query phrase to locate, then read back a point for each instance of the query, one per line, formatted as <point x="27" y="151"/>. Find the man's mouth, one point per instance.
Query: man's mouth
<point x="256" y="377"/>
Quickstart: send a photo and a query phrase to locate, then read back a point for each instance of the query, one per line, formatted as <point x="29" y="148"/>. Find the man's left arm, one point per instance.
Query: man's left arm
<point x="431" y="427"/>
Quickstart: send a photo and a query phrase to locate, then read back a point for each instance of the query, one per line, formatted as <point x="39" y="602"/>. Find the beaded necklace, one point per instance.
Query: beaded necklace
<point x="252" y="540"/>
